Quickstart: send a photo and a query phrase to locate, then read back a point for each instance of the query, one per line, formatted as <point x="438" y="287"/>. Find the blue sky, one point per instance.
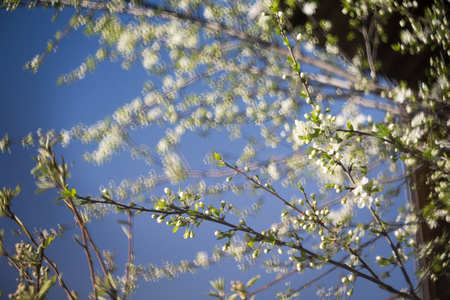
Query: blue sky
<point x="32" y="101"/>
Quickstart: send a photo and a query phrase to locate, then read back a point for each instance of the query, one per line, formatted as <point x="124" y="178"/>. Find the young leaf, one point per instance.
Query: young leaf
<point x="48" y="240"/>
<point x="193" y="212"/>
<point x="46" y="287"/>
<point x="217" y="156"/>
<point x="252" y="281"/>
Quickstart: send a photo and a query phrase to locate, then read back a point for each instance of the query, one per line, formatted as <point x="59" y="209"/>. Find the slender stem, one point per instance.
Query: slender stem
<point x="294" y="271"/>
<point x="86" y="237"/>
<point x="50" y="263"/>
<point x="396" y="253"/>
<point x="84" y="245"/>
<point x="130" y="250"/>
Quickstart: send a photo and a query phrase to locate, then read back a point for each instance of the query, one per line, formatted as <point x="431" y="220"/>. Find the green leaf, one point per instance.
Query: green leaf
<point x="350" y="126"/>
<point x="215" y="212"/>
<point x="384" y="263"/>
<point x="303" y="94"/>
<point x="126" y="231"/>
<point x="48" y="240"/>
<point x="232" y="297"/>
<point x="106" y="198"/>
<point x="222" y="237"/>
<point x="16" y="191"/>
<point x="122" y="222"/>
<point x="278" y="31"/>
<point x="46" y="287"/>
<point x="396" y="47"/>
<point x="251" y="243"/>
<point x="252" y="281"/>
<point x="217" y="156"/>
<point x="75" y="238"/>
<point x="374" y="230"/>
<point x="192" y="212"/>
<point x="274" y="6"/>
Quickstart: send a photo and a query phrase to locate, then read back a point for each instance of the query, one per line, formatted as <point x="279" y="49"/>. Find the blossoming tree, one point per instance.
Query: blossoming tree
<point x="323" y="137"/>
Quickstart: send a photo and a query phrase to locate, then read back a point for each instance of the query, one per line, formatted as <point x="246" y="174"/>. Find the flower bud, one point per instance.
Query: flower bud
<point x="167" y="191"/>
